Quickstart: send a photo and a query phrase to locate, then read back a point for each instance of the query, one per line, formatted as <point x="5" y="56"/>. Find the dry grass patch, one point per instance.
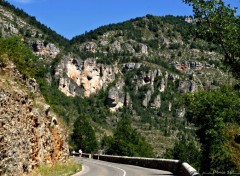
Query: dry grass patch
<point x="59" y="169"/>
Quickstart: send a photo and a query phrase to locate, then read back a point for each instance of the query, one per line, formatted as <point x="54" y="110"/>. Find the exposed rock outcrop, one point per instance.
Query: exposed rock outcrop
<point x="117" y="98"/>
<point x="115" y="47"/>
<point x="30" y="133"/>
<point x="194" y="65"/>
<point x="83" y="78"/>
<point x="156" y="102"/>
<point x="187" y="86"/>
<point x="7" y="27"/>
<point x="11" y="24"/>
<point x="89" y="46"/>
<point x="129" y="48"/>
<point x="131" y="65"/>
<point x="44" y="49"/>
<point x="147" y="98"/>
<point x="162" y="86"/>
<point x="28" y="136"/>
<point x="143" y="49"/>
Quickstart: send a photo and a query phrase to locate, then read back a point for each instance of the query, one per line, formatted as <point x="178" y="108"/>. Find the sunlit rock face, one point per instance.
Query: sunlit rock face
<point x="83" y="77"/>
<point x="30" y="134"/>
<point x="44" y="49"/>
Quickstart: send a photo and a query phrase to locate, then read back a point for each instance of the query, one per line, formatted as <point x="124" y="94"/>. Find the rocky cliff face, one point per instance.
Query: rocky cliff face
<point x="79" y="77"/>
<point x="11" y="24"/>
<point x="157" y="62"/>
<point x="44" y="49"/>
<point x="30" y="133"/>
<point x="117" y="98"/>
<point x="187" y="86"/>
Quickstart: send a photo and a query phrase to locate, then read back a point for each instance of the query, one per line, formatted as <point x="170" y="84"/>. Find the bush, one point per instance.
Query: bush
<point x="185" y="151"/>
<point x="127" y="141"/>
<point x="20" y="55"/>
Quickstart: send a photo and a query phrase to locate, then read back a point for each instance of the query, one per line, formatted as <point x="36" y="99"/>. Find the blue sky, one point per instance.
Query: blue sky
<point x="73" y="17"/>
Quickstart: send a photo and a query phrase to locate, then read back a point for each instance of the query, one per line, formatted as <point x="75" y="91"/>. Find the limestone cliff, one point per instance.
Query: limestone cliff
<point x="44" y="49"/>
<point x="79" y="77"/>
<point x="157" y="60"/>
<point x="30" y="134"/>
<point x="11" y="24"/>
<point x="117" y="98"/>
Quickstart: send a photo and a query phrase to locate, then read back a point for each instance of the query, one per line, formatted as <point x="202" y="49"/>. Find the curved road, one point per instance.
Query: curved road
<point x="93" y="167"/>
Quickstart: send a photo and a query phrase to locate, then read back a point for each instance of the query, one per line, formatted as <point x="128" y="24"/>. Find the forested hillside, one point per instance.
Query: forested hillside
<point x="134" y="88"/>
<point x="144" y="65"/>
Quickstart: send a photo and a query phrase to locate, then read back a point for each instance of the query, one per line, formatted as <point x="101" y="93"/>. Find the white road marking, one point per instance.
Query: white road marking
<point x="108" y="165"/>
<point x="85" y="169"/>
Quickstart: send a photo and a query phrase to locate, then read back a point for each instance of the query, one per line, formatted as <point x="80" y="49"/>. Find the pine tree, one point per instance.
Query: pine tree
<point x="128" y="142"/>
<point x="83" y="136"/>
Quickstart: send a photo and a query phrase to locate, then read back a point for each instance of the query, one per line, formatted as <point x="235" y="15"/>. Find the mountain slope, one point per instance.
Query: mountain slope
<point x="30" y="133"/>
<point x="45" y="42"/>
<point x="141" y="67"/>
<point x="145" y="65"/>
<point x="19" y="22"/>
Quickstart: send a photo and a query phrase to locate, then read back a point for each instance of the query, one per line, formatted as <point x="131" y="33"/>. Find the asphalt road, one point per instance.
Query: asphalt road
<point x="93" y="167"/>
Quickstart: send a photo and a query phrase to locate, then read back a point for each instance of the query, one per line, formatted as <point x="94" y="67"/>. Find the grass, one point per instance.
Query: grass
<point x="59" y="169"/>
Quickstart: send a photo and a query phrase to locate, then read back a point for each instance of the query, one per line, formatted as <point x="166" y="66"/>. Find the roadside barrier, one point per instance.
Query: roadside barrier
<point x="174" y="166"/>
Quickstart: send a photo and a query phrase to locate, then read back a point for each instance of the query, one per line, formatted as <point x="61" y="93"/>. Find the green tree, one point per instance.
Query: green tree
<point x="83" y="136"/>
<point x="106" y="142"/>
<point x="211" y="112"/>
<point x="186" y="150"/>
<point x="218" y="23"/>
<point x="128" y="142"/>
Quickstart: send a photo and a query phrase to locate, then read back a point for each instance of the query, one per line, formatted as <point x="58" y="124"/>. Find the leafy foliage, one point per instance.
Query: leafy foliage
<point x="127" y="142"/>
<point x="81" y="112"/>
<point x="185" y="150"/>
<point x="217" y="22"/>
<point x="83" y="135"/>
<point x="21" y="55"/>
<point x="215" y="109"/>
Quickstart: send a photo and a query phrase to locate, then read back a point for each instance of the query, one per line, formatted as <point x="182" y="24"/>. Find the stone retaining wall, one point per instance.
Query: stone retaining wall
<point x="175" y="166"/>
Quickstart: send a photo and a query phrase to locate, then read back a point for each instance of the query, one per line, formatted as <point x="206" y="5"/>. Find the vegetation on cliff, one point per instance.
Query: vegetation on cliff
<point x="219" y="23"/>
<point x="126" y="141"/>
<point x="50" y="35"/>
<point x="159" y="59"/>
<point x="20" y="54"/>
<point x="216" y="113"/>
<point x="25" y="116"/>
